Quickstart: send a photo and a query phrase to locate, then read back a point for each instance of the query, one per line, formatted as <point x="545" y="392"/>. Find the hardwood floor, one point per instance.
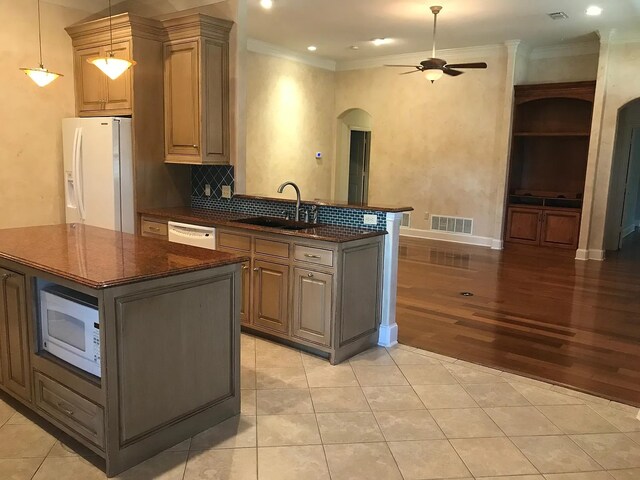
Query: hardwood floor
<point x="535" y="311"/>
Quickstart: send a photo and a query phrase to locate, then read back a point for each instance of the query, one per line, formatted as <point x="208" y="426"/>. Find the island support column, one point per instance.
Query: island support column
<point x="388" y="334"/>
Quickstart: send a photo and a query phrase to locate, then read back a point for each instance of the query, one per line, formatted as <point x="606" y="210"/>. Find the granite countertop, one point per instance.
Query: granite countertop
<point x="100" y="258"/>
<point x="217" y="218"/>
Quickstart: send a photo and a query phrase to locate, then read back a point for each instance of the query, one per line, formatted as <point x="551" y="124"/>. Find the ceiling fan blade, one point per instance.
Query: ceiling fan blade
<point x="451" y="72"/>
<point x="413" y="71"/>
<point x="467" y="65"/>
<point x="404" y="66"/>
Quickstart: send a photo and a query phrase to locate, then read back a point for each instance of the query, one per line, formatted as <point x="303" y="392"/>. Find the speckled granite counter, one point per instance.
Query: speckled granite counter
<point x="215" y="218"/>
<point x="100" y="258"/>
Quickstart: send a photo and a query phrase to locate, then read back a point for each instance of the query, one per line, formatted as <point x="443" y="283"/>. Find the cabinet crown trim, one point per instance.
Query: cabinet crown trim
<point x="197" y="25"/>
<point x="125" y="26"/>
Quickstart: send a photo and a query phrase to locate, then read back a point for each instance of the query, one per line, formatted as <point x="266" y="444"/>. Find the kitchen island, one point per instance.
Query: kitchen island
<point x="169" y="337"/>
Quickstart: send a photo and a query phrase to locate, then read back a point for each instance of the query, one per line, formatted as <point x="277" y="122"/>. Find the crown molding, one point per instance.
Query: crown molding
<point x="265" y="48"/>
<point x="417" y="57"/>
<point x="624" y="36"/>
<point x="565" y="50"/>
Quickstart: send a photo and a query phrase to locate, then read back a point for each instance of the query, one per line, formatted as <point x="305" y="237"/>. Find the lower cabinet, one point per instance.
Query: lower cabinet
<point x="245" y="306"/>
<point x="14" y="339"/>
<point x="271" y="295"/>
<point x="312" y="294"/>
<point x="551" y="227"/>
<point x="320" y="294"/>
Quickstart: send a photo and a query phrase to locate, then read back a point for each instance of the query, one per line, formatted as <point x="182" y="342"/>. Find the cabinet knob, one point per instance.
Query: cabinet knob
<point x="65" y="409"/>
<point x="309" y="255"/>
<point x="194" y="146"/>
<point x="256" y="269"/>
<point x="244" y="267"/>
<point x="310" y="275"/>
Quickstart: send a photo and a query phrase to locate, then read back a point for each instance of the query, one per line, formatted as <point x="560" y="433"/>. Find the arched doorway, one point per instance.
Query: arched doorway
<point x="353" y="153"/>
<point x="623" y="205"/>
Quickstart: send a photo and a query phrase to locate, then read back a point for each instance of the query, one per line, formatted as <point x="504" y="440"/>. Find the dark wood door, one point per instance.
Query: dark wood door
<point x="560" y="229"/>
<point x="312" y="306"/>
<point x="523" y="225"/>
<point x="14" y="340"/>
<point x="271" y="296"/>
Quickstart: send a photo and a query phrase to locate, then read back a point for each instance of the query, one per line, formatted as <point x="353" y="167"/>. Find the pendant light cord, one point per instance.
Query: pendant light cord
<point x="40" y="36"/>
<point x="110" y="31"/>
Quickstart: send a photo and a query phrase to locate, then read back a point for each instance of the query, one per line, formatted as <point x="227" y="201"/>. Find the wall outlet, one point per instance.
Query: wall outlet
<point x="370" y="219"/>
<point x="226" y="191"/>
<point x="207" y="190"/>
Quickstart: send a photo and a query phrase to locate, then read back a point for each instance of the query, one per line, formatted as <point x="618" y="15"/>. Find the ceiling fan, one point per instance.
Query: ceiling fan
<point x="434" y="67"/>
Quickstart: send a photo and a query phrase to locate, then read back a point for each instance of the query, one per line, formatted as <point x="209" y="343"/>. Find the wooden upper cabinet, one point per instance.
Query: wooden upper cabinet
<point x="182" y="100"/>
<point x="196" y="90"/>
<point x="97" y="94"/>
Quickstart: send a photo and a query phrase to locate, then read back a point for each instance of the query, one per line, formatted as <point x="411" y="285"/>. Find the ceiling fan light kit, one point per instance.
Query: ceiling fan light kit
<point x="434" y="68"/>
<point x="40" y="75"/>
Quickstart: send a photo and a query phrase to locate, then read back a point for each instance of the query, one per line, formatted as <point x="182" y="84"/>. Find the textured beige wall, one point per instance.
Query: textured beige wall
<point x="290" y="116"/>
<point x="577" y="68"/>
<point x="31" y="191"/>
<point x="433" y="146"/>
<point x="621" y="86"/>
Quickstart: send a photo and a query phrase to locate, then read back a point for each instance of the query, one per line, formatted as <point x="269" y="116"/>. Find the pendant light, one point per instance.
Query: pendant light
<point x="40" y="75"/>
<point x="111" y="66"/>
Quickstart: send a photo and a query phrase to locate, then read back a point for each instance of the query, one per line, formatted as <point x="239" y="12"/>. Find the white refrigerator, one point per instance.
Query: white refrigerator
<point x="98" y="172"/>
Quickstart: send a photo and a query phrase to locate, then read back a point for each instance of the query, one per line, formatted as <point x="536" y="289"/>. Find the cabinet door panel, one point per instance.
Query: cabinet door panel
<point x="560" y="229"/>
<point x="118" y="95"/>
<point x="271" y="296"/>
<point x="13" y="333"/>
<point x="245" y="308"/>
<point x="90" y="81"/>
<point x="312" y="297"/>
<point x="216" y="101"/>
<point x="182" y="107"/>
<point x="523" y="225"/>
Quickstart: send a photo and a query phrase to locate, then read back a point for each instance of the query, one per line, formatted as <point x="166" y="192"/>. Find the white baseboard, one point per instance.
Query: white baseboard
<point x="590" y="254"/>
<point x="497" y="244"/>
<point x="449" y="237"/>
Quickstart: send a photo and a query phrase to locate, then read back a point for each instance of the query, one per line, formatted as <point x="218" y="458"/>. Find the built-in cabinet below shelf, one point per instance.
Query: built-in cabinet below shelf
<point x="549" y="227"/>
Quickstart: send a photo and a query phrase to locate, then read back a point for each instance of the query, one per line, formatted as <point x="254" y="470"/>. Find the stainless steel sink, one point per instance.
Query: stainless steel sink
<point x="276" y="222"/>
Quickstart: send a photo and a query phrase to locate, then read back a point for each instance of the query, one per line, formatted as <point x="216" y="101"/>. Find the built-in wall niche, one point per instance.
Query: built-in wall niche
<point x="548" y="165"/>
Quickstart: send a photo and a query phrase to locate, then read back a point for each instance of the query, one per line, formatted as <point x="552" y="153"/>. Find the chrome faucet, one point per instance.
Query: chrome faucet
<point x="281" y="188"/>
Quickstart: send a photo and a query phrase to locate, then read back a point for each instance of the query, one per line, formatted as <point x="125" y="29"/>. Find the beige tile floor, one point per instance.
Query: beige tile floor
<point x="400" y="413"/>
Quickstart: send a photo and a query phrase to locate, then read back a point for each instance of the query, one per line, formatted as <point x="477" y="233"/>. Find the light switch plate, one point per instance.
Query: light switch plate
<point x="207" y="190"/>
<point x="226" y="191"/>
<point x="370" y="219"/>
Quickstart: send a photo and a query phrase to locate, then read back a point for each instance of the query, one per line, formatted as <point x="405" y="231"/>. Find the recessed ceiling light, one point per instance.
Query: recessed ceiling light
<point x="266" y="4"/>
<point x="312" y="48"/>
<point x="380" y="41"/>
<point x="354" y="47"/>
<point x="594" y="11"/>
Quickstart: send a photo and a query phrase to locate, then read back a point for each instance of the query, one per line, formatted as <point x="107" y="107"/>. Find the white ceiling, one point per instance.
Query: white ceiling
<point x="334" y="25"/>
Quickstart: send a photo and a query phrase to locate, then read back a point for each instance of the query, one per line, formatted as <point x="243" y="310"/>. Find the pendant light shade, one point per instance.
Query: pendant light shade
<point x="40" y="75"/>
<point x="111" y="66"/>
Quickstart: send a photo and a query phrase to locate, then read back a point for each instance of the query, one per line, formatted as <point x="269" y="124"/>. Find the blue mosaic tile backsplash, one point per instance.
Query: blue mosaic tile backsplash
<point x="216" y="176"/>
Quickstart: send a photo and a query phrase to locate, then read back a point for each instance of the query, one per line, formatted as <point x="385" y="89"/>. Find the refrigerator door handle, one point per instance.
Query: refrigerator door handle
<point x="77" y="173"/>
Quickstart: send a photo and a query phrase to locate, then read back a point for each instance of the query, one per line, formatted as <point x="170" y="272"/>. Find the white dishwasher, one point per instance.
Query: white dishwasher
<point x="194" y="235"/>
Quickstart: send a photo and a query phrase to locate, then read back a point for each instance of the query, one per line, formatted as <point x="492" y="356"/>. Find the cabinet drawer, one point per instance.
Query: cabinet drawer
<point x="234" y="241"/>
<point x="272" y="248"/>
<point x="319" y="256"/>
<point x="68" y="407"/>
<point x="152" y="228"/>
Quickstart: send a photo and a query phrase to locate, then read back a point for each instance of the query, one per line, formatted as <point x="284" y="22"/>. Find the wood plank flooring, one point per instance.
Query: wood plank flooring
<point x="535" y="311"/>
